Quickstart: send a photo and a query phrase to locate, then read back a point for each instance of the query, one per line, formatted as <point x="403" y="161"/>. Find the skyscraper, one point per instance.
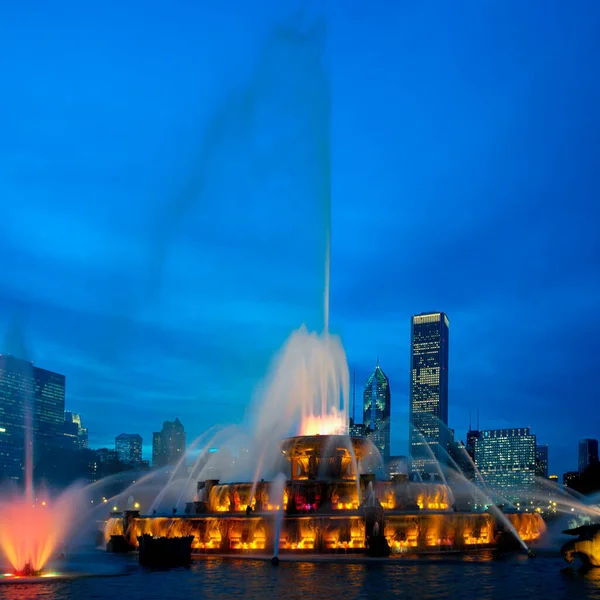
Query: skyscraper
<point x="129" y="448"/>
<point x="376" y="406"/>
<point x="428" y="390"/>
<point x="168" y="445"/>
<point x="80" y="432"/>
<point x="588" y="453"/>
<point x="28" y="394"/>
<point x="506" y="460"/>
<point x="541" y="460"/>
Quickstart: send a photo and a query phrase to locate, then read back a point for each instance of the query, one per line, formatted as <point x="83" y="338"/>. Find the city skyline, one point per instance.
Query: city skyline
<point x="376" y="423"/>
<point x="153" y="239"/>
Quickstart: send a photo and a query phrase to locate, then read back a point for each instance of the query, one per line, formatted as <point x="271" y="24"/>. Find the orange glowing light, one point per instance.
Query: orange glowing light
<point x="331" y="424"/>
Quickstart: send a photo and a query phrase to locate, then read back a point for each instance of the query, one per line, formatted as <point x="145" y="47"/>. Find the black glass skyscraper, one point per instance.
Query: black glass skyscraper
<point x="29" y="396"/>
<point x="588" y="453"/>
<point x="377" y="401"/>
<point x="428" y="390"/>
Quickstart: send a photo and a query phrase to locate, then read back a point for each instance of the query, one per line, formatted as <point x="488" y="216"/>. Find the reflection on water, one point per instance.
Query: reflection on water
<point x="460" y="578"/>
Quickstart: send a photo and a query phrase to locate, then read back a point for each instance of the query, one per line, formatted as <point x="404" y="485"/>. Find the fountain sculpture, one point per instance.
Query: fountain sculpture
<point x="586" y="546"/>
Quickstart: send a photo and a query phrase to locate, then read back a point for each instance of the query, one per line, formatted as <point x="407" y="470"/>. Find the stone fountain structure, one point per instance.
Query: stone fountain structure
<point x="327" y="506"/>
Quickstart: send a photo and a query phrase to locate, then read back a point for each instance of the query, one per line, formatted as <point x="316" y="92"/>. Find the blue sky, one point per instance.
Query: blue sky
<point x="166" y="175"/>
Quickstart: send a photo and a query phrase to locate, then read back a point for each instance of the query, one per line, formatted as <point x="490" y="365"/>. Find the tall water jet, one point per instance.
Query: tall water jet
<point x="32" y="528"/>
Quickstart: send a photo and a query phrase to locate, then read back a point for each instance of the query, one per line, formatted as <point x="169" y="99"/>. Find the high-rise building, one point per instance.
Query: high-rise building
<point x="168" y="445"/>
<point x="428" y="390"/>
<point x="80" y="432"/>
<point x="570" y="478"/>
<point x="541" y="460"/>
<point x="377" y="410"/>
<point x="472" y="436"/>
<point x="506" y="460"/>
<point x="358" y="429"/>
<point x="459" y="455"/>
<point x="29" y="396"/>
<point x="129" y="448"/>
<point x="588" y="453"/>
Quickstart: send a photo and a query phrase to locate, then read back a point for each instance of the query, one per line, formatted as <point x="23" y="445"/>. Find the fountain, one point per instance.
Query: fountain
<point x="32" y="531"/>
<point x="32" y="528"/>
<point x="328" y="499"/>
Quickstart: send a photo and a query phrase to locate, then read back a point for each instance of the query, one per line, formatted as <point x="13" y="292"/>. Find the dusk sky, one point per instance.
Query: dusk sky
<point x="167" y="171"/>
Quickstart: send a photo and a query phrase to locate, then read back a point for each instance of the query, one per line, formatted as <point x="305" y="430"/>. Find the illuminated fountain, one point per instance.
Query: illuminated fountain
<point x="32" y="528"/>
<point x="328" y="499"/>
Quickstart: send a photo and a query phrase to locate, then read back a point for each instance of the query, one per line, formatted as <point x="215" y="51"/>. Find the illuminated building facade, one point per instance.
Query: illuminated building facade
<point x="358" y="429"/>
<point x="29" y="393"/>
<point x="541" y="460"/>
<point x="81" y="433"/>
<point x="168" y="445"/>
<point x="377" y="410"/>
<point x="129" y="448"/>
<point x="588" y="453"/>
<point x="506" y="460"/>
<point x="428" y="391"/>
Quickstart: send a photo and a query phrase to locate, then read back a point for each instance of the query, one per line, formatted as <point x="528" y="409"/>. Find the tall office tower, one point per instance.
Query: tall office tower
<point x="472" y="436"/>
<point x="168" y="445"/>
<point x="428" y="391"/>
<point x="588" y="453"/>
<point x="541" y="460"/>
<point x="129" y="448"/>
<point x="506" y="460"/>
<point x="28" y="395"/>
<point x="376" y="407"/>
<point x="80" y="432"/>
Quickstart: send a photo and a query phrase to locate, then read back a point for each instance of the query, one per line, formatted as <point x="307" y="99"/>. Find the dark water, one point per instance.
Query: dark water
<point x="461" y="578"/>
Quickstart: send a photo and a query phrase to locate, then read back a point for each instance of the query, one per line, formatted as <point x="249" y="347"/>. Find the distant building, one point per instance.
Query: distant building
<point x="506" y="460"/>
<point x="80" y="432"/>
<point x="106" y="455"/>
<point x="377" y="410"/>
<point x="541" y="461"/>
<point x="588" y="453"/>
<point x="168" y="445"/>
<point x="28" y="394"/>
<point x="129" y="448"/>
<point x="472" y="436"/>
<point x="398" y="466"/>
<point x="428" y="391"/>
<point x="570" y="477"/>
<point x="358" y="429"/>
<point x="457" y="452"/>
